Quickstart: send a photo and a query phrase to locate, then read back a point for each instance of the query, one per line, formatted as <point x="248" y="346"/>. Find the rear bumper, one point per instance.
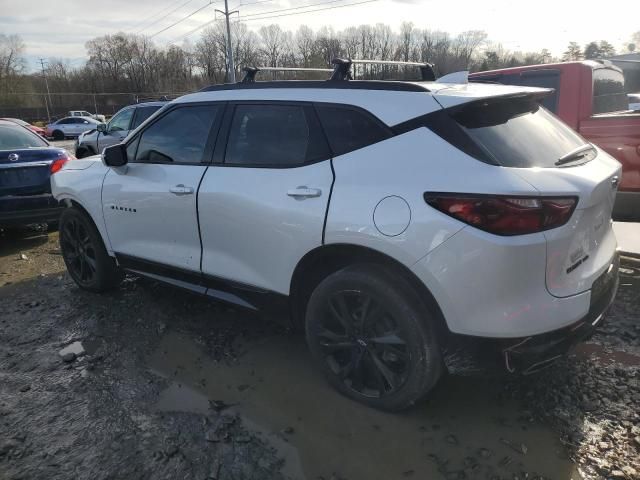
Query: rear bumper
<point x="23" y="210"/>
<point x="530" y="354"/>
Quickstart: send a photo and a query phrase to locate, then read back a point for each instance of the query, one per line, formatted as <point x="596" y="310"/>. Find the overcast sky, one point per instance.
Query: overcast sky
<point x="61" y="28"/>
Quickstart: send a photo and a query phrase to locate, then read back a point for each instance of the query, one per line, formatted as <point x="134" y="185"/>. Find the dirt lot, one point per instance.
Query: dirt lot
<point x="164" y="384"/>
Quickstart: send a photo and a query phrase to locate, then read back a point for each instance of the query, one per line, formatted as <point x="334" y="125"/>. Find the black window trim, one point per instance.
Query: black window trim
<point x="219" y="156"/>
<point x="212" y="138"/>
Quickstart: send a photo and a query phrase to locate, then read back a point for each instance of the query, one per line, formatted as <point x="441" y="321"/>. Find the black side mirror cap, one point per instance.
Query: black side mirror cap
<point x="115" y="155"/>
<point x="101" y="127"/>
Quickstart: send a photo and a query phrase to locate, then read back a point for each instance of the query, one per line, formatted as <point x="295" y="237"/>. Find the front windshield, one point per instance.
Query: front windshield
<point x="15" y="137"/>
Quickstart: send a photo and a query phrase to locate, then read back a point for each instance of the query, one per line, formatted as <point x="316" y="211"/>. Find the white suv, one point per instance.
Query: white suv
<point x="386" y="218"/>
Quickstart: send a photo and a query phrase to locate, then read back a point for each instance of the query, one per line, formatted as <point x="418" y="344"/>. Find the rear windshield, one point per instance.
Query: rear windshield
<point x="13" y="137"/>
<point x="608" y="91"/>
<point x="518" y="132"/>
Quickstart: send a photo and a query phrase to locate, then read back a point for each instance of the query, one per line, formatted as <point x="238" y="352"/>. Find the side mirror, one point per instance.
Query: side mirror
<point x="102" y="127"/>
<point x="115" y="155"/>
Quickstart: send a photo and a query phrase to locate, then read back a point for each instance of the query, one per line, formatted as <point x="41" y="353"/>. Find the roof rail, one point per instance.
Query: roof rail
<point x="342" y="69"/>
<point x="250" y="72"/>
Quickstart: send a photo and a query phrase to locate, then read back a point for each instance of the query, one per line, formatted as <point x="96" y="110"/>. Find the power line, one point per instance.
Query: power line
<point x="48" y="94"/>
<point x="292" y="8"/>
<point x="149" y="17"/>
<point x="307" y="11"/>
<point x="181" y="20"/>
<point x="155" y="22"/>
<point x="191" y="32"/>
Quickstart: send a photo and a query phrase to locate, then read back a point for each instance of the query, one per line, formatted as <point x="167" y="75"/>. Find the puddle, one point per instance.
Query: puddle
<point x="606" y="355"/>
<point x="180" y="398"/>
<point x="276" y="387"/>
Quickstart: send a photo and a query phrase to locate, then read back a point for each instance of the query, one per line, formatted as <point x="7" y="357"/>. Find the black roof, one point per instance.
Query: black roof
<point x="328" y="84"/>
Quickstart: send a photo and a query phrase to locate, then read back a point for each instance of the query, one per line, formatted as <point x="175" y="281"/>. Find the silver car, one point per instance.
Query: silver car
<point x="105" y="135"/>
<point x="69" y="127"/>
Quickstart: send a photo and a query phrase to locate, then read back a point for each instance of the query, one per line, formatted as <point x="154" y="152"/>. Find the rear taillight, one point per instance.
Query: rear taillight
<point x="59" y="162"/>
<point x="503" y="215"/>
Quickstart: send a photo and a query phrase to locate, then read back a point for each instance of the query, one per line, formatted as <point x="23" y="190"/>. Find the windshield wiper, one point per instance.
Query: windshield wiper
<point x="575" y="154"/>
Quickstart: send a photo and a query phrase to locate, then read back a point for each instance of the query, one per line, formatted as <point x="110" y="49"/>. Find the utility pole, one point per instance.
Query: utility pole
<point x="48" y="93"/>
<point x="230" y="64"/>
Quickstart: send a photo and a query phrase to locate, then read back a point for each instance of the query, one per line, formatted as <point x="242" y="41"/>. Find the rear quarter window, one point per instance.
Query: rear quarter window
<point x="350" y="129"/>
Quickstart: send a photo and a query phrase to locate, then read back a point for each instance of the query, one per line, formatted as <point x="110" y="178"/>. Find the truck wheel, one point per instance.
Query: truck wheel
<point x="84" y="253"/>
<point x="58" y="135"/>
<point x="372" y="337"/>
<point x="82" y="152"/>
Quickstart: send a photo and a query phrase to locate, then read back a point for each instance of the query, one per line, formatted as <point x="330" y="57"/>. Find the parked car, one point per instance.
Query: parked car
<point x="384" y="218"/>
<point x="634" y="101"/>
<point x="33" y="128"/>
<point x="84" y="113"/>
<point x="590" y="97"/>
<point x="69" y="127"/>
<point x="104" y="135"/>
<point x="26" y="163"/>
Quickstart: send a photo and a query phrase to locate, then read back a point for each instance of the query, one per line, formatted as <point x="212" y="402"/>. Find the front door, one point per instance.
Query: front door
<point x="150" y="204"/>
<point x="117" y="129"/>
<point x="262" y="207"/>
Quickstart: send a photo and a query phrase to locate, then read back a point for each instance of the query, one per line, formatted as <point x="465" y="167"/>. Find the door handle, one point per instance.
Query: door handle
<point x="180" y="189"/>
<point x="304" y="192"/>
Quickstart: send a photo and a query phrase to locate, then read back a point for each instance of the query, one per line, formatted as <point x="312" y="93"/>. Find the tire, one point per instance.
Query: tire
<point x="391" y="360"/>
<point x="84" y="253"/>
<point x="82" y="152"/>
<point x="58" y="135"/>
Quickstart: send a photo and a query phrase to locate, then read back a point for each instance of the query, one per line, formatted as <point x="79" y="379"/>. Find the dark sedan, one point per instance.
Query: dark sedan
<point x="26" y="163"/>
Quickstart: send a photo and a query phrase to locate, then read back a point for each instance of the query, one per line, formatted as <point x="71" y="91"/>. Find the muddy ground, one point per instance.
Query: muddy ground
<point x="165" y="384"/>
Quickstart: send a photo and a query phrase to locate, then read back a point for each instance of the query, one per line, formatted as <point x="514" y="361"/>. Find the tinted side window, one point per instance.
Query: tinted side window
<point x="274" y="135"/>
<point x="348" y="129"/>
<point x="121" y="121"/>
<point x="180" y="136"/>
<point x="142" y="113"/>
<point x="608" y="91"/>
<point x="66" y="121"/>
<point x="543" y="79"/>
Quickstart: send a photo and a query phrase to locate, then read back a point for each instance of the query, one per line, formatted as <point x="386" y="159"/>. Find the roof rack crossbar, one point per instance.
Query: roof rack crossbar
<point x="342" y="70"/>
<point x="250" y="72"/>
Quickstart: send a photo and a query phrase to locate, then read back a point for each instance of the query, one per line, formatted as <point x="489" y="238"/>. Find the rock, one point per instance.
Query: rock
<point x="25" y="388"/>
<point x="637" y="441"/>
<point x="68" y="357"/>
<point x="451" y="439"/>
<point x="75" y="348"/>
<point x="23" y="257"/>
<point x="7" y="446"/>
<point x="288" y="430"/>
<point x="485" y="452"/>
<point x="242" y="438"/>
<point x="617" y="474"/>
<point x="171" y="451"/>
<point x="629" y="471"/>
<point x="212" y="436"/>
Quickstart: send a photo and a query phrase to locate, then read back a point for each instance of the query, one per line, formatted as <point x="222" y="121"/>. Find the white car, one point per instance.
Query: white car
<point x="634" y="101"/>
<point x="70" y="127"/>
<point x="84" y="113"/>
<point x="388" y="219"/>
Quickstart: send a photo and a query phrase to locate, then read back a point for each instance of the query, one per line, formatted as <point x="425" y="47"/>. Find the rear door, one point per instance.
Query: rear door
<point x="262" y="205"/>
<point x="149" y="205"/>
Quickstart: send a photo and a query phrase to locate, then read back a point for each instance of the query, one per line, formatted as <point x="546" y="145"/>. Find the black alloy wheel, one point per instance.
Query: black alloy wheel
<point x="372" y="336"/>
<point x="78" y="251"/>
<point x="363" y="344"/>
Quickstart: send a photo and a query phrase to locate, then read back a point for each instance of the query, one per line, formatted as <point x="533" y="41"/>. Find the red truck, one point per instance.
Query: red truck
<point x="590" y="97"/>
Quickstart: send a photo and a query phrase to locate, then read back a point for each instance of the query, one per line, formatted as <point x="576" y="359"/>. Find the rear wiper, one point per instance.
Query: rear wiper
<point x="575" y="154"/>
